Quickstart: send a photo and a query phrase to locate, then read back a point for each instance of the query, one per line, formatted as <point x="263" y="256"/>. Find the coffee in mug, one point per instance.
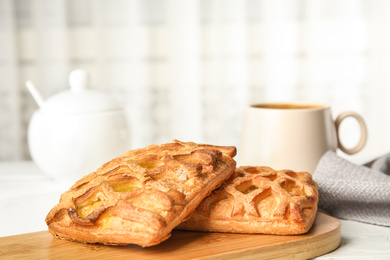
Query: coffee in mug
<point x="293" y="135"/>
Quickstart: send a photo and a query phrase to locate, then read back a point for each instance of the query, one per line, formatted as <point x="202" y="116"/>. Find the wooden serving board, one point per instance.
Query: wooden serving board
<point x="323" y="237"/>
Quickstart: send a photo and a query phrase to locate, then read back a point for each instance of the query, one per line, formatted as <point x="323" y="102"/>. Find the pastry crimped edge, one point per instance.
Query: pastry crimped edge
<point x="62" y="226"/>
<point x="299" y="222"/>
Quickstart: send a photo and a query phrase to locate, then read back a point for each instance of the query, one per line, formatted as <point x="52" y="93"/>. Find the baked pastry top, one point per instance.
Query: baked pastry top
<point x="139" y="197"/>
<point x="259" y="200"/>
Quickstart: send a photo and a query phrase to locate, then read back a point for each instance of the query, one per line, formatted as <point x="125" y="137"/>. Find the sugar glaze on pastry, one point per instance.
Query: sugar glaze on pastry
<point x="259" y="200"/>
<point x="139" y="197"/>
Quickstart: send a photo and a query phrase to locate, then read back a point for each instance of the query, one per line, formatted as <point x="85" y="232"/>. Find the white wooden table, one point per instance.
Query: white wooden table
<point x="27" y="195"/>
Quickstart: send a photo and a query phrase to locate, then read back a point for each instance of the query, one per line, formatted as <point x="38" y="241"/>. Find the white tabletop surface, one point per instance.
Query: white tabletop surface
<point x="27" y="195"/>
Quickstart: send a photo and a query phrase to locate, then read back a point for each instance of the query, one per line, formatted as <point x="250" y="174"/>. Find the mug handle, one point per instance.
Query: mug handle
<point x="363" y="132"/>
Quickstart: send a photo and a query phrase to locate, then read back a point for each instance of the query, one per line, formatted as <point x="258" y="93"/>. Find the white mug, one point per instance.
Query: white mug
<point x="293" y="135"/>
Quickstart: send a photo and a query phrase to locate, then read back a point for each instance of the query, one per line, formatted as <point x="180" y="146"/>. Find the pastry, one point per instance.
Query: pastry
<point x="139" y="197"/>
<point x="259" y="200"/>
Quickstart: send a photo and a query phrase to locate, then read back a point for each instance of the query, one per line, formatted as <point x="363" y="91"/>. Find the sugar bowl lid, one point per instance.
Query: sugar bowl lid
<point x="79" y="99"/>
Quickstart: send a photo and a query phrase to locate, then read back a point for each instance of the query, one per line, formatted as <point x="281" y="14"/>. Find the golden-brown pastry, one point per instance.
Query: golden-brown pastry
<point x="259" y="200"/>
<point x="139" y="197"/>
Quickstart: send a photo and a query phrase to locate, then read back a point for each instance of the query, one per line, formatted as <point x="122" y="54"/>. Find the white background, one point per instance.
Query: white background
<point x="187" y="69"/>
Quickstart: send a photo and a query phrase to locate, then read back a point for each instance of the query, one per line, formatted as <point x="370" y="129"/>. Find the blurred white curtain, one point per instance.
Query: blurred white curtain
<point x="187" y="69"/>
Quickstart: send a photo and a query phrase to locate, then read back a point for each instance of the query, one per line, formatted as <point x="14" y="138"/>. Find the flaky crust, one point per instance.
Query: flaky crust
<point x="139" y="197"/>
<point x="259" y="200"/>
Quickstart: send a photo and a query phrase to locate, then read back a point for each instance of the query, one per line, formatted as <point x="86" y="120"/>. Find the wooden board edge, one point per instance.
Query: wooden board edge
<point x="308" y="248"/>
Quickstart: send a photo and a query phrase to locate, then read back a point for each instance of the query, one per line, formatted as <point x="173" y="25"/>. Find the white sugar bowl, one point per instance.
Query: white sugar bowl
<point x="76" y="131"/>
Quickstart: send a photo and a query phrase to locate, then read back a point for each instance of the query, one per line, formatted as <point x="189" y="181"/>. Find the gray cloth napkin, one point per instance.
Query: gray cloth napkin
<point x="354" y="192"/>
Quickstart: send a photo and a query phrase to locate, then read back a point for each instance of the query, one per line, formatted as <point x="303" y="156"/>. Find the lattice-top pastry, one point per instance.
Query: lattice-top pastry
<point x="139" y="197"/>
<point x="259" y="200"/>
